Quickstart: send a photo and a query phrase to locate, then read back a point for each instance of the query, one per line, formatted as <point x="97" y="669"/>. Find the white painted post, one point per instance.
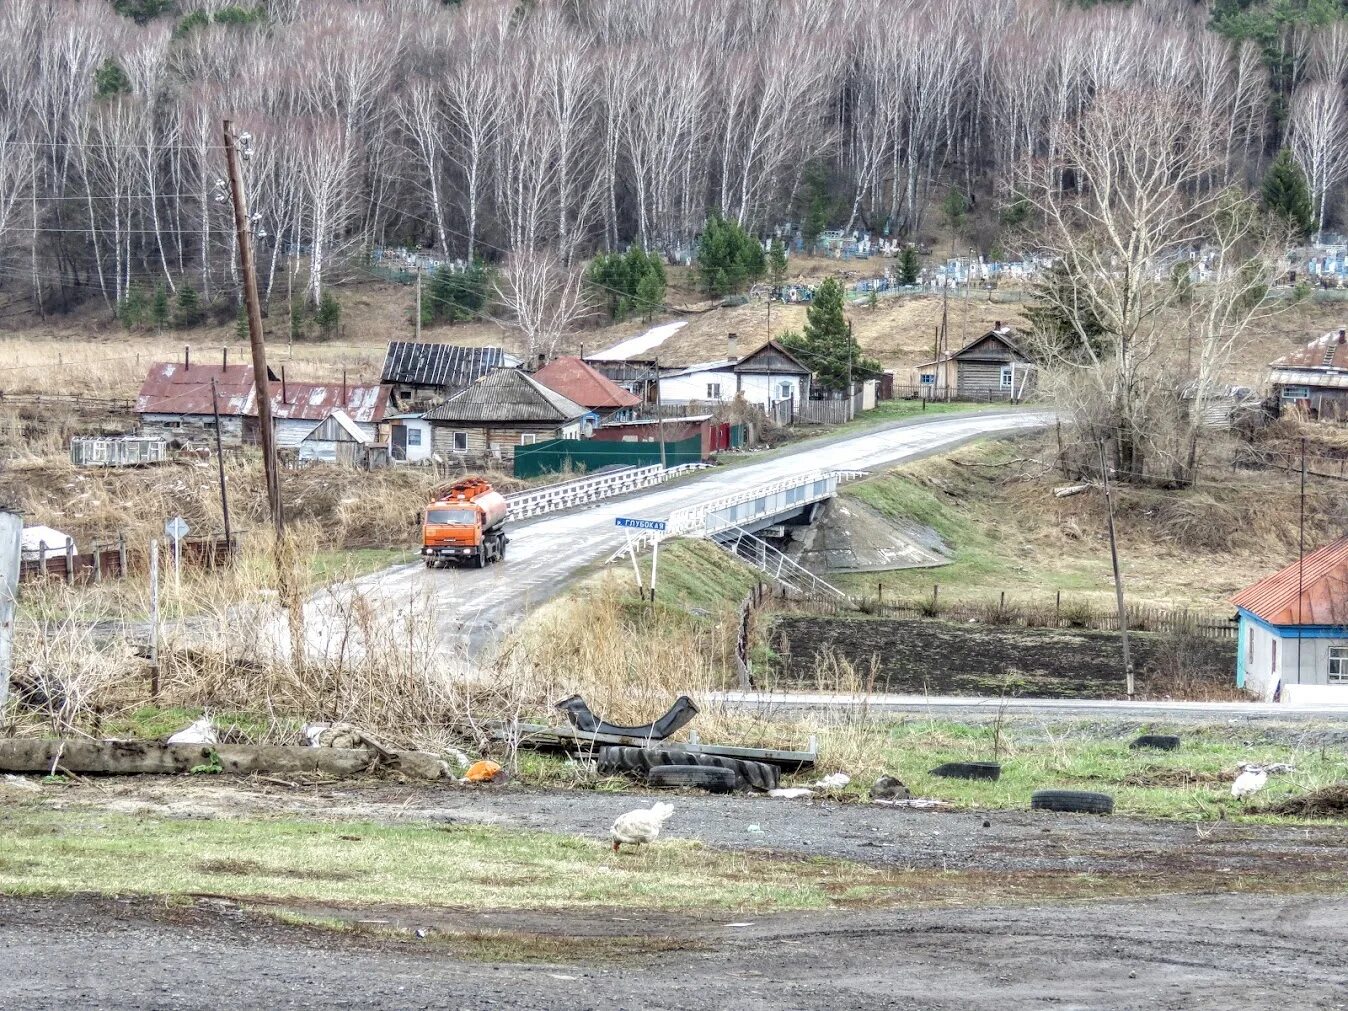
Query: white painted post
<point x="632" y="550"/>
<point x="154" y="604"/>
<point x="11" y="550"/>
<point x="178" y="565"/>
<point x="655" y="562"/>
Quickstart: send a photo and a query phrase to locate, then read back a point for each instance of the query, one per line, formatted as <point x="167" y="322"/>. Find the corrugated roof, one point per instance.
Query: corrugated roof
<point x="507" y="396"/>
<point x="1322" y="577"/>
<point x="1325" y="352"/>
<point x="772" y="358"/>
<point x="170" y="388"/>
<point x="1322" y="379"/>
<point x="1002" y="334"/>
<point x="445" y="365"/>
<point x="692" y="370"/>
<point x="173" y="388"/>
<point x="578" y="382"/>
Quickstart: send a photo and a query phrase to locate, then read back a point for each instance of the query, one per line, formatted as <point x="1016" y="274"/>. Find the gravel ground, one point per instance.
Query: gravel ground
<point x="1211" y="952"/>
<point x="918" y="839"/>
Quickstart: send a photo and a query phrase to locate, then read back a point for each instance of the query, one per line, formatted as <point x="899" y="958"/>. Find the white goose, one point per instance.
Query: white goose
<point x="642" y="826"/>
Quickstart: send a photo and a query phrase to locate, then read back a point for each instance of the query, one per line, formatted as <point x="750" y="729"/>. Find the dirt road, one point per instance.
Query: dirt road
<point x="946" y="943"/>
<point x="1216" y="952"/>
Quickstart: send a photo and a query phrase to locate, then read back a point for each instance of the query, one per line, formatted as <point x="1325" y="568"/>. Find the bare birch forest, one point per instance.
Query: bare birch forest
<point x="545" y="131"/>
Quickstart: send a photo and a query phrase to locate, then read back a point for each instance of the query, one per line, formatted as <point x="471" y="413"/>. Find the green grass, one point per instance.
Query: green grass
<point x="695" y="573"/>
<point x="1193" y="782"/>
<point x="452" y="867"/>
<point x="150" y="722"/>
<point x="347" y="564"/>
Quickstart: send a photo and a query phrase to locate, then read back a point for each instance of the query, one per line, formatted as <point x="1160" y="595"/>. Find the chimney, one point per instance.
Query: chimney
<point x="284" y="396"/>
<point x="997" y="325"/>
<point x="224" y="358"/>
<point x="1343" y="336"/>
<point x="730" y="341"/>
<point x="187" y="357"/>
<point x="542" y="360"/>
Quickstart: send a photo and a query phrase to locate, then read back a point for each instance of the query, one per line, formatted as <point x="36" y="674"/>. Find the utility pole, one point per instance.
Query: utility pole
<point x="11" y="551"/>
<point x="660" y="413"/>
<point x="220" y="463"/>
<point x="243" y="227"/>
<point x="1118" y="579"/>
<point x="850" y="345"/>
<point x="1301" y="555"/>
<point x="418" y="303"/>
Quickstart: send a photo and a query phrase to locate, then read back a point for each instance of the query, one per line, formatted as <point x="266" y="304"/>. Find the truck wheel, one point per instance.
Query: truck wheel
<point x="482" y="556"/>
<point x="1073" y="801"/>
<point x="501" y="543"/>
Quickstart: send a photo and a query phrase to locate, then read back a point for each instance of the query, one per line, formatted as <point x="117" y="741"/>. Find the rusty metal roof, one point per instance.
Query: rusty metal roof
<point x="580" y="383"/>
<point x="172" y="388"/>
<point x="1322" y="577"/>
<point x="507" y="396"/>
<point x="1329" y="351"/>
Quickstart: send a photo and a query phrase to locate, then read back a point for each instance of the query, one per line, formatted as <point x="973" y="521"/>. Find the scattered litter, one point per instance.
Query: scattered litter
<point x="834" y="781"/>
<point x="312" y="731"/>
<point x="422" y="932"/>
<point x="747" y="923"/>
<point x="889" y="788"/>
<point x="485" y="771"/>
<point x="640" y="826"/>
<point x="1279" y="769"/>
<point x="791" y="792"/>
<point x="459" y="758"/>
<point x="22" y="784"/>
<point x="200" y="732"/>
<point x="915" y="802"/>
<point x="754" y="830"/>
<point x="559" y="975"/>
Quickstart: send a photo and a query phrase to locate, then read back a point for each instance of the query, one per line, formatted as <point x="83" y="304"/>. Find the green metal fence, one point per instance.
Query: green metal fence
<point x="589" y="455"/>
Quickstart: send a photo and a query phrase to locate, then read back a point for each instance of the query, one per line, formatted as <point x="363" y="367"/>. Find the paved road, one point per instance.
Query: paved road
<point x="469" y="607"/>
<point x="966" y="708"/>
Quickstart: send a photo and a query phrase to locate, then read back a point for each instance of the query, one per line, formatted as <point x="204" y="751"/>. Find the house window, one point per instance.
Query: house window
<point x="713" y="391"/>
<point x="1007" y="373"/>
<point x="460" y="442"/>
<point x="784" y="391"/>
<point x="1338" y="665"/>
<point x="1296" y="393"/>
<point x="528" y="438"/>
<point x="414" y="437"/>
<point x="927" y="379"/>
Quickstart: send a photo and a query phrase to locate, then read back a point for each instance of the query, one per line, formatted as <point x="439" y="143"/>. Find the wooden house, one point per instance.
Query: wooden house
<point x="768" y="375"/>
<point x="1314" y="379"/>
<point x="991" y="367"/>
<point x="504" y="409"/>
<point x="584" y="385"/>
<point x="421" y="375"/>
<point x="337" y="439"/>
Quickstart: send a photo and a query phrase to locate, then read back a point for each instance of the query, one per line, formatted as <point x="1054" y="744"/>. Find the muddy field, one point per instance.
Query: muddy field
<point x="917" y="656"/>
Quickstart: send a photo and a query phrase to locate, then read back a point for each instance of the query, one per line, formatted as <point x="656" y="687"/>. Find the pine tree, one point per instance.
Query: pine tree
<point x="1287" y="195"/>
<point x="241" y="325"/>
<point x="909" y="268"/>
<point x="131" y="309"/>
<point x="159" y="308"/>
<point x="329" y="313"/>
<point x="728" y="258"/>
<point x="650" y="293"/>
<point x="826" y="344"/>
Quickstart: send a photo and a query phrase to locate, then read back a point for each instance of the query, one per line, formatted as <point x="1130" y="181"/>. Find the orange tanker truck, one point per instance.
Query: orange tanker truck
<point x="465" y="523"/>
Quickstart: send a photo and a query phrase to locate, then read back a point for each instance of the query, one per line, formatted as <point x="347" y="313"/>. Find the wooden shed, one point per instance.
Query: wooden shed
<point x="336" y="439"/>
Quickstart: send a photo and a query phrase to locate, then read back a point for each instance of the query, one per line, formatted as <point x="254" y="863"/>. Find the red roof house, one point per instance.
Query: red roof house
<point x="581" y="384"/>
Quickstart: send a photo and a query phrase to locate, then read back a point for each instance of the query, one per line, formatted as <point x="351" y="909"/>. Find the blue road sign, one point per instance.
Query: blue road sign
<point x="631" y="524"/>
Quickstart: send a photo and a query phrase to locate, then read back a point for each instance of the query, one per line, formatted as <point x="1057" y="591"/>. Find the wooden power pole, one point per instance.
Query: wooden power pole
<point x="1118" y="579"/>
<point x="220" y="464"/>
<point x="244" y="228"/>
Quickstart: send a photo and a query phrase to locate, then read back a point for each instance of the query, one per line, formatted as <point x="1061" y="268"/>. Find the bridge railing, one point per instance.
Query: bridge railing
<point x="581" y="491"/>
<point x="752" y="504"/>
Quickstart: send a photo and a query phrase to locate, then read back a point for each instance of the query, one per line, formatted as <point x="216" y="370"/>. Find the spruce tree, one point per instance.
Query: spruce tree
<point x="650" y="294"/>
<point x="328" y="314"/>
<point x="826" y="344"/>
<point x="241" y="326"/>
<point x="159" y="308"/>
<point x="187" y="311"/>
<point x="777" y="263"/>
<point x="1287" y="195"/>
<point x="909" y="269"/>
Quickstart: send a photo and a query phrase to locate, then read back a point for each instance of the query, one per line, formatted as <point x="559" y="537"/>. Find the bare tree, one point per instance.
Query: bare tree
<point x="543" y="296"/>
<point x="1319" y="139"/>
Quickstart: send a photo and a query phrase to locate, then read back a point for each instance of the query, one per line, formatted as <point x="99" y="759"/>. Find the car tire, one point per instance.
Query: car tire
<point x="756" y="775"/>
<point x="711" y="778"/>
<point x="969" y="770"/>
<point x="1072" y="802"/>
<point x="1160" y="742"/>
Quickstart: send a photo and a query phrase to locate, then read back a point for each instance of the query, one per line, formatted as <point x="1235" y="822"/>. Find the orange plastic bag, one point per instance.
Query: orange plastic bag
<point x="482" y="772"/>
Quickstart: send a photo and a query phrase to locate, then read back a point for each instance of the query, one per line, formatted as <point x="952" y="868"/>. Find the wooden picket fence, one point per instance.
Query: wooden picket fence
<point x="117" y="559"/>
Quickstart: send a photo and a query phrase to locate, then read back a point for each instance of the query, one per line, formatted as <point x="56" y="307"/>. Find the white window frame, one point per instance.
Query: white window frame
<point x="413" y="436"/>
<point x="528" y="438"/>
<point x="1296" y="393"/>
<point x="786" y="391"/>
<point x="1338" y="665"/>
<point x="1008" y="376"/>
<point x="926" y="379"/>
<point x="713" y="391"/>
<point x="457" y="436"/>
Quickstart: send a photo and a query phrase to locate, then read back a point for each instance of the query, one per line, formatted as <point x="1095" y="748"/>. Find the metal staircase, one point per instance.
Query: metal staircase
<point x="759" y="554"/>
